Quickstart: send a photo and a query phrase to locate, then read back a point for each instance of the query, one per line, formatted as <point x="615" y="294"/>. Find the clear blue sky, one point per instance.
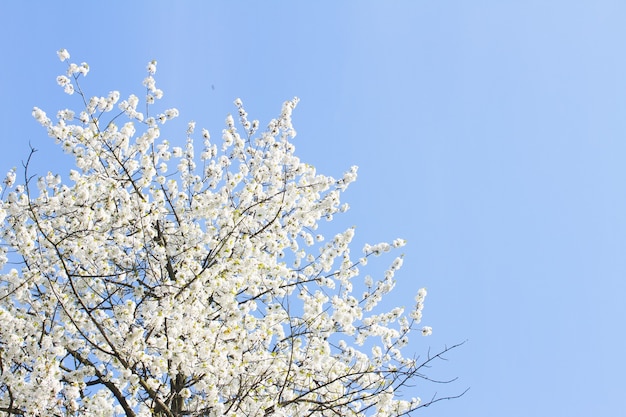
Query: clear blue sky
<point x="490" y="134"/>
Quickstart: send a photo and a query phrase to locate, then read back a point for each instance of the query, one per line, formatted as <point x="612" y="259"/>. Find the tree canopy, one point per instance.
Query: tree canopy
<point x="162" y="280"/>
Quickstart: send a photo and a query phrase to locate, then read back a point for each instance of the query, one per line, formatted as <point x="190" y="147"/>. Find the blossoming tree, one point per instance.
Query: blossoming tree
<point x="160" y="282"/>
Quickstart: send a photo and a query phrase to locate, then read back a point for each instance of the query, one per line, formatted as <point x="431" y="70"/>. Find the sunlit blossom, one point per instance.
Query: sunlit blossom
<point x="63" y="54"/>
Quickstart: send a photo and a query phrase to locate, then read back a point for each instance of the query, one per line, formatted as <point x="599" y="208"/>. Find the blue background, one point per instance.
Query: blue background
<point x="489" y="134"/>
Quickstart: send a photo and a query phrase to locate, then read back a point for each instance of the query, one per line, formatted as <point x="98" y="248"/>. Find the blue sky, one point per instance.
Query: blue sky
<point x="489" y="134"/>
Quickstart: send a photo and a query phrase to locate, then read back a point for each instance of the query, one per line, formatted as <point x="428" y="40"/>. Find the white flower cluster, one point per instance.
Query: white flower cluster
<point x="158" y="283"/>
<point x="73" y="71"/>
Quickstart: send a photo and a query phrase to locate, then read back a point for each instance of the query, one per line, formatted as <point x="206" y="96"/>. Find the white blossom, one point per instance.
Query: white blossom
<point x="62" y="80"/>
<point x="9" y="180"/>
<point x="63" y="54"/>
<point x="151" y="68"/>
